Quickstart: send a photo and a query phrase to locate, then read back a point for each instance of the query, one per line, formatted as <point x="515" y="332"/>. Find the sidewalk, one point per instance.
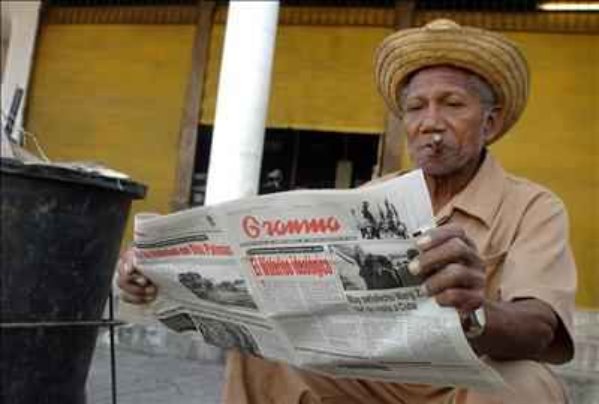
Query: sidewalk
<point x="146" y="379"/>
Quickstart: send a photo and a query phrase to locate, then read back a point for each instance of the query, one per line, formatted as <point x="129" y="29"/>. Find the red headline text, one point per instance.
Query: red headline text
<point x="254" y="227"/>
<point x="203" y="249"/>
<point x="290" y="266"/>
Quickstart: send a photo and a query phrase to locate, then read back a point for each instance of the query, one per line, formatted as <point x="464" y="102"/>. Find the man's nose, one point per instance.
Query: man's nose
<point x="431" y="120"/>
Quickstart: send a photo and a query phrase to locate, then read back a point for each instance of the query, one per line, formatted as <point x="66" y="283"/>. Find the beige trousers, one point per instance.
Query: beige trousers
<point x="251" y="380"/>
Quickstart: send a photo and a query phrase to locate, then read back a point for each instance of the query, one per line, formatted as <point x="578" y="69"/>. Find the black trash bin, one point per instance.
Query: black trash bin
<point x="61" y="235"/>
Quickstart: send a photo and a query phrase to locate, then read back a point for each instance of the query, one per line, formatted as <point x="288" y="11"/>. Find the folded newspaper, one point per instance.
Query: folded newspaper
<point x="314" y="278"/>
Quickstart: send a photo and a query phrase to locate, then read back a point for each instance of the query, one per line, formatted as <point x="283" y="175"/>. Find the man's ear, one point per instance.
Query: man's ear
<point x="493" y="122"/>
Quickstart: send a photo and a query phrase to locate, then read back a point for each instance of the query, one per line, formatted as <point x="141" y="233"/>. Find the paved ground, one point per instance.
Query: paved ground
<point x="147" y="379"/>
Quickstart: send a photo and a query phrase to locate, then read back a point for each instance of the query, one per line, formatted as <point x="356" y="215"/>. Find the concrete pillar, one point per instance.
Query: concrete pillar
<point x="5" y="37"/>
<point x="24" y="18"/>
<point x="6" y="150"/>
<point x="242" y="100"/>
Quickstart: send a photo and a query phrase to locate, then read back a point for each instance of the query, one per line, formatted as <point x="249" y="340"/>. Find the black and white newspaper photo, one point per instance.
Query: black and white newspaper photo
<point x="368" y="266"/>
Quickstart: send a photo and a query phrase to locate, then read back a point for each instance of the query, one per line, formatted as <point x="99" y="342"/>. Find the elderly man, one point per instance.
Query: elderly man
<point x="500" y="251"/>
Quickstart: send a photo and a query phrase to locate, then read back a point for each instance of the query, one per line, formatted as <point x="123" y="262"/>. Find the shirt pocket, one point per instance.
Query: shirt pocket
<point x="493" y="271"/>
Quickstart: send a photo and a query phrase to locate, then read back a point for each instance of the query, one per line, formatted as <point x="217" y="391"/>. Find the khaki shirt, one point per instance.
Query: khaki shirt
<point x="521" y="231"/>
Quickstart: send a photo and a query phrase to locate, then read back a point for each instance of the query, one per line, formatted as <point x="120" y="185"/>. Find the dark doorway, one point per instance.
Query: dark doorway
<point x="300" y="159"/>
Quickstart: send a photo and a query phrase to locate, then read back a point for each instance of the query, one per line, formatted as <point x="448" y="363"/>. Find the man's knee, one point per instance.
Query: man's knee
<point x="527" y="382"/>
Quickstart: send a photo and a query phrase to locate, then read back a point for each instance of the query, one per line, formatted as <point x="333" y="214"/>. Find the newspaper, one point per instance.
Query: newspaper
<point x="314" y="278"/>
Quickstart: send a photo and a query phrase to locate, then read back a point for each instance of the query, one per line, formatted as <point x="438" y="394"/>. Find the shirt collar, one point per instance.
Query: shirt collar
<point x="481" y="197"/>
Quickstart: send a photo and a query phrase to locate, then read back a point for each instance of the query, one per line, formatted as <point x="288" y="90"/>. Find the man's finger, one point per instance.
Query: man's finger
<point x="124" y="265"/>
<point x="139" y="279"/>
<point x="135" y="289"/>
<point x="439" y="235"/>
<point x="136" y="299"/>
<point x="464" y="300"/>
<point x="136" y="294"/>
<point x="453" y="250"/>
<point x="136" y="284"/>
<point x="454" y="276"/>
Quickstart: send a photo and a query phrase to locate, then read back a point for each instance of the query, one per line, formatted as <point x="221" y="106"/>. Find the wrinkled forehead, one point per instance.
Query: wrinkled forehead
<point x="456" y="75"/>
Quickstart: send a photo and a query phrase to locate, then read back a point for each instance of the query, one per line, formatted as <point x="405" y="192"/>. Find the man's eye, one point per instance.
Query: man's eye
<point x="413" y="107"/>
<point x="455" y="104"/>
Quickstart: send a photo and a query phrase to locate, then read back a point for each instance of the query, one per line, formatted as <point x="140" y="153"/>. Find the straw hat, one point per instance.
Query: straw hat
<point x="443" y="42"/>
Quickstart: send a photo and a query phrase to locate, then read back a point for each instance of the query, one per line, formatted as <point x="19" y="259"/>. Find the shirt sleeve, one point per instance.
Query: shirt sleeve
<point x="540" y="265"/>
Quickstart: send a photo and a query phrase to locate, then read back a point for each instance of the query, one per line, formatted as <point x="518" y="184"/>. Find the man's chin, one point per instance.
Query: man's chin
<point x="437" y="170"/>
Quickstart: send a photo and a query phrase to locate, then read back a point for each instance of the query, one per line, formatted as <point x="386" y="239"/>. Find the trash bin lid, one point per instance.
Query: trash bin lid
<point x="70" y="175"/>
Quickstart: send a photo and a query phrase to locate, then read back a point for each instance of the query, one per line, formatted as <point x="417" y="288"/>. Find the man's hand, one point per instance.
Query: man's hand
<point x="451" y="267"/>
<point x="454" y="274"/>
<point x="135" y="288"/>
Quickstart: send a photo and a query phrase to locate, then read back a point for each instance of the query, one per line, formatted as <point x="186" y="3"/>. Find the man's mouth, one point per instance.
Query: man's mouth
<point x="431" y="147"/>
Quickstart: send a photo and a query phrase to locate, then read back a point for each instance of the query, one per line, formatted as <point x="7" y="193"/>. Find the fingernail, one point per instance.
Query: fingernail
<point x="414" y="266"/>
<point x="423" y="241"/>
<point x="151" y="290"/>
<point x="140" y="280"/>
<point x="424" y="290"/>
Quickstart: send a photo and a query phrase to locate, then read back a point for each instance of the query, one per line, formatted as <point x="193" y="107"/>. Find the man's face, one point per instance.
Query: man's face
<point x="441" y="102"/>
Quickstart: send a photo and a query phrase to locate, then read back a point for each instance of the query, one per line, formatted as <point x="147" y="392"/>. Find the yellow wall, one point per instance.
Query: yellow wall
<point x="113" y="94"/>
<point x="556" y="141"/>
<point x="322" y="79"/>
